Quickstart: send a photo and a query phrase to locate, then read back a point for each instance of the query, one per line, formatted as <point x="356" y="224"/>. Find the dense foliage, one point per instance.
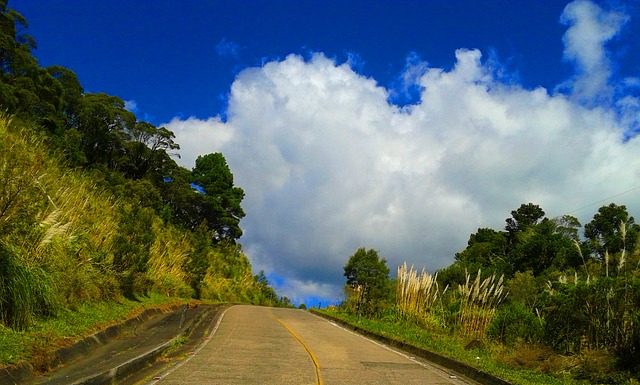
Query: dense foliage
<point x="367" y="280"/>
<point x="93" y="205"/>
<point x="573" y="292"/>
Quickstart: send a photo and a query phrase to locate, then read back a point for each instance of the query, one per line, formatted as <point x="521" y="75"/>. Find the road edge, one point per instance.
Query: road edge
<point x="24" y="371"/>
<point x="446" y="362"/>
<point x="122" y="372"/>
<point x="209" y="336"/>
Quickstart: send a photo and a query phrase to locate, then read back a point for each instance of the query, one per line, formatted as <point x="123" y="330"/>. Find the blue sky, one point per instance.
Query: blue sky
<point x="179" y="58"/>
<point x="396" y="125"/>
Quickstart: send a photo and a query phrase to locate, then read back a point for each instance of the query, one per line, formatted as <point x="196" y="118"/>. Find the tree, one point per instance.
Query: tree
<point x="198" y="262"/>
<point x="148" y="151"/>
<point x="485" y="248"/>
<point x="568" y="226"/>
<point x="71" y="95"/>
<point x="222" y="199"/>
<point x="605" y="231"/>
<point x="525" y="216"/>
<point x="131" y="251"/>
<point x="104" y="123"/>
<point x="15" y="47"/>
<point x="368" y="276"/>
<point x="541" y="246"/>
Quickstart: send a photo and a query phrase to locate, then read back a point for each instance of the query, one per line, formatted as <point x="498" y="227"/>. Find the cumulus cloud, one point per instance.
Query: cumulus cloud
<point x="328" y="164"/>
<point x="199" y="137"/>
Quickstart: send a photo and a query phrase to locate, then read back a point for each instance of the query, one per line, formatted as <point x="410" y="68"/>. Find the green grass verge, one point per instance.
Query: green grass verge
<point x="36" y="344"/>
<point x="484" y="358"/>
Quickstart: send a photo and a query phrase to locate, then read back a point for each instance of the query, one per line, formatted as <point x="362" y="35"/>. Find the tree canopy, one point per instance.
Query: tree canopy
<point x="368" y="277"/>
<point x="611" y="230"/>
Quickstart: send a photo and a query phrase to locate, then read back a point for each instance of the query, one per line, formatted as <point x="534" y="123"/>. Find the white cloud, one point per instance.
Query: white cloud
<point x="329" y="165"/>
<point x="198" y="137"/>
<point x="131" y="106"/>
<point x="590" y="27"/>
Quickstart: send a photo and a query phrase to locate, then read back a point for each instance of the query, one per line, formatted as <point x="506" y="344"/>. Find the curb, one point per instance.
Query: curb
<point x="124" y="370"/>
<point x="24" y="371"/>
<point x="86" y="344"/>
<point x="446" y="362"/>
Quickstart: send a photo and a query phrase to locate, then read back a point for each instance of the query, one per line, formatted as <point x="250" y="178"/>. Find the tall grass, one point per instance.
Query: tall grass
<point x="229" y="277"/>
<point x="416" y="293"/>
<point x="25" y="291"/>
<point x="65" y="241"/>
<point x="167" y="256"/>
<point x="479" y="300"/>
<point x="56" y="231"/>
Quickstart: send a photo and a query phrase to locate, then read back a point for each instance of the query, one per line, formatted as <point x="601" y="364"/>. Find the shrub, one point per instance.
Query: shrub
<point x="25" y="291"/>
<point x="368" y="278"/>
<point x="514" y="322"/>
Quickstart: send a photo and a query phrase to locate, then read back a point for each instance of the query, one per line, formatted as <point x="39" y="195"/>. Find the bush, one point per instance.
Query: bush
<point x="514" y="322"/>
<point x="628" y="352"/>
<point x="599" y="367"/>
<point x="25" y="291"/>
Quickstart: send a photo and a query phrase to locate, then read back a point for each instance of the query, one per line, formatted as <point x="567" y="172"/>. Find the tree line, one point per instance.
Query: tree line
<point x="539" y="281"/>
<point x="95" y="131"/>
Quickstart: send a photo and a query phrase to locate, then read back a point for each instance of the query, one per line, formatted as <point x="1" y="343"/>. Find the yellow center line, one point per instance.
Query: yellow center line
<point x="313" y="356"/>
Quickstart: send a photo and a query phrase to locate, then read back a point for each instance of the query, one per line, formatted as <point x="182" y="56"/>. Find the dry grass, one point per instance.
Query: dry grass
<point x="478" y="302"/>
<point x="167" y="257"/>
<point x="61" y="234"/>
<point x="416" y="293"/>
<point x="539" y="358"/>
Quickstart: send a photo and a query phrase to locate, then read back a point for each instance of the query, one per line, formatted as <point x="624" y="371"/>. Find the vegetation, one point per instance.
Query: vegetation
<point x="499" y="360"/>
<point x="416" y="294"/>
<point x="46" y="334"/>
<point x="94" y="209"/>
<point x="367" y="285"/>
<point x="540" y="298"/>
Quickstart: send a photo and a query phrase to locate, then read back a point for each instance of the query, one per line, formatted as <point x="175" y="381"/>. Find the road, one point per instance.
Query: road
<point x="260" y="345"/>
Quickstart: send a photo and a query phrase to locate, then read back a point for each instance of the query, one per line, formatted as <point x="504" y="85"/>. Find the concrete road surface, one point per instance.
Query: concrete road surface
<point x="260" y="345"/>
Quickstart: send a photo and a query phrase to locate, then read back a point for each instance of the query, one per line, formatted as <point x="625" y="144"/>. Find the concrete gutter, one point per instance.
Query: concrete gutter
<point x="123" y="370"/>
<point x="118" y="373"/>
<point x="446" y="362"/>
<point x="25" y="373"/>
<point x="85" y="345"/>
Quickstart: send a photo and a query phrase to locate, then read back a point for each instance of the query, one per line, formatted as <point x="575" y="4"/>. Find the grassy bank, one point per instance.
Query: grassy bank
<point x="37" y="344"/>
<point x="507" y="363"/>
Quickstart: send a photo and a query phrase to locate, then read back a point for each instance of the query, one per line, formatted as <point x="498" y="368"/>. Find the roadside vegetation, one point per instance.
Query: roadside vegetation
<point x="95" y="214"/>
<point x="539" y="302"/>
<point x="37" y="344"/>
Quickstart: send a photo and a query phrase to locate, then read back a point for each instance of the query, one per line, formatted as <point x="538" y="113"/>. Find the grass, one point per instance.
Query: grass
<point x="486" y="358"/>
<point x="38" y="343"/>
<point x="480" y="299"/>
<point x="176" y="344"/>
<point x="416" y="292"/>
